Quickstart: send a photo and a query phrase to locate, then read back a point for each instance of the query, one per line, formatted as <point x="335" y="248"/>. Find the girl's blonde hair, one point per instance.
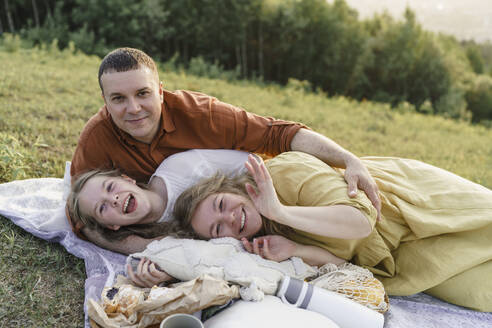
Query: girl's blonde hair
<point x="79" y="219"/>
<point x="188" y="201"/>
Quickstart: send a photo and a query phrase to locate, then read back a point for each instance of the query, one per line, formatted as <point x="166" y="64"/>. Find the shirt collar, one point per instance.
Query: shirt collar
<point x="167" y="122"/>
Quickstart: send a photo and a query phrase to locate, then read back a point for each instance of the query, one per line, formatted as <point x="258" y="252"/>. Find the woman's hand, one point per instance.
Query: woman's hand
<point x="148" y="274"/>
<point x="264" y="198"/>
<point x="271" y="247"/>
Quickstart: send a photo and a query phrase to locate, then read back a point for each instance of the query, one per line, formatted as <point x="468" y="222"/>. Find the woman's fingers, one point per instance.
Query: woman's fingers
<point x="251" y="191"/>
<point x="264" y="171"/>
<point x="254" y="168"/>
<point x="247" y="245"/>
<point x="257" y="246"/>
<point x="266" y="249"/>
<point x="154" y="273"/>
<point x="160" y="275"/>
<point x="147" y="274"/>
<point x="136" y="280"/>
<point x="144" y="274"/>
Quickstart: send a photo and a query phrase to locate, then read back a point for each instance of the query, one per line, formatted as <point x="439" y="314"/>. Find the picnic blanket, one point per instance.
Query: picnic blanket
<point x="37" y="206"/>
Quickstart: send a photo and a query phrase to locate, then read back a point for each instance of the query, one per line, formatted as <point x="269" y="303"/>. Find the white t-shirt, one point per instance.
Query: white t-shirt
<point x="183" y="170"/>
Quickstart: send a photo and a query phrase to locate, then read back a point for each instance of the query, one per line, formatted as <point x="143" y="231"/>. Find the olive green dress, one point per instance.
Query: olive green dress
<point x="436" y="229"/>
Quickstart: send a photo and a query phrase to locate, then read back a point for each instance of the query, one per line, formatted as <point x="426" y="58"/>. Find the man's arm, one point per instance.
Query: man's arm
<point x="334" y="155"/>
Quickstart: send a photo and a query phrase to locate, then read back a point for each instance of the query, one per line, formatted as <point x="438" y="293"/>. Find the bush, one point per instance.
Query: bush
<point x="303" y="86"/>
<point x="11" y="42"/>
<point x="85" y="40"/>
<point x="198" y="66"/>
<point x="453" y="105"/>
<point x="479" y="98"/>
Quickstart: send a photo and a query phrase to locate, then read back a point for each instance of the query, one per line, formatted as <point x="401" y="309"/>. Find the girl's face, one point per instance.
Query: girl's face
<point x="226" y="215"/>
<point x="114" y="201"/>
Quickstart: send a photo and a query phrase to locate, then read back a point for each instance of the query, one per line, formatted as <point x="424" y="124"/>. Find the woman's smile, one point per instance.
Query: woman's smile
<point x="226" y="215"/>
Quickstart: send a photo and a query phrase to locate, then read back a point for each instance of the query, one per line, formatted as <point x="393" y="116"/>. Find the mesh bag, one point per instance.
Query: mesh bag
<point x="353" y="282"/>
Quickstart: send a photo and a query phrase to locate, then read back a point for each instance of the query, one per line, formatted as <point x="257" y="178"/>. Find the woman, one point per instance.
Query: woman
<point x="434" y="236"/>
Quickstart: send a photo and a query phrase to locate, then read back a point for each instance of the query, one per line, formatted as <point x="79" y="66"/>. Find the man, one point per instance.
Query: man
<point x="141" y="124"/>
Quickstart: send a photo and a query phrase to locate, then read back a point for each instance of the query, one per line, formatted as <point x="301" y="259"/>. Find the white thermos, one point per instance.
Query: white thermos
<point x="341" y="310"/>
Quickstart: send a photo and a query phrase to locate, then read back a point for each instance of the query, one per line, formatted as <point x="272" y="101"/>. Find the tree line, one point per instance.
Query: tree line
<point x="325" y="44"/>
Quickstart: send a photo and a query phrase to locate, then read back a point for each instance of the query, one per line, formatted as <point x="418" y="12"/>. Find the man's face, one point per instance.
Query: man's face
<point x="133" y="99"/>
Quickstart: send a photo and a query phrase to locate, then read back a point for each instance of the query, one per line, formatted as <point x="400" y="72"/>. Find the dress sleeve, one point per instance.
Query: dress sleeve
<point x="303" y="180"/>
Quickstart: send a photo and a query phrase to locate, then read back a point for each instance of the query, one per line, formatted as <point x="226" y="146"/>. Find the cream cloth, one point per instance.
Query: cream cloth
<point x="222" y="258"/>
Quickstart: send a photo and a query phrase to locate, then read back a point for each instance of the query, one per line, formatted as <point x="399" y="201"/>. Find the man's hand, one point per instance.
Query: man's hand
<point x="357" y="176"/>
<point x="148" y="274"/>
<point x="334" y="155"/>
<point x="271" y="247"/>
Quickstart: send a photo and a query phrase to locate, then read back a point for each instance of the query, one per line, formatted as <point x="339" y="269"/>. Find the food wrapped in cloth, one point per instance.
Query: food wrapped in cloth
<point x="124" y="305"/>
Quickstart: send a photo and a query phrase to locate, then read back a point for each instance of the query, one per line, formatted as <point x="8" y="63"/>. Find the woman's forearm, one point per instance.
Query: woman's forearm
<point x="314" y="255"/>
<point x="337" y="221"/>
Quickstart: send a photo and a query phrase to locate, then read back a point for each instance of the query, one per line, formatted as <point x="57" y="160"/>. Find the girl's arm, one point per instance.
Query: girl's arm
<point x="336" y="221"/>
<point x="278" y="248"/>
<point x="129" y="245"/>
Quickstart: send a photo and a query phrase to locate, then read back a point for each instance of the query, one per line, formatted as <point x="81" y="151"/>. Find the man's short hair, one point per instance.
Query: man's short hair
<point x="124" y="60"/>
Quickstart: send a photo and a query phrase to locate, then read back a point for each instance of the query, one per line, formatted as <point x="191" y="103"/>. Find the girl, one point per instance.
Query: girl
<point x="434" y="236"/>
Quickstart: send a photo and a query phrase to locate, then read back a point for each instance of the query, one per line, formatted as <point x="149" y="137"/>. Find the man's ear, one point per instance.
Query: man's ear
<point x="113" y="227"/>
<point x="102" y="96"/>
<point x="127" y="178"/>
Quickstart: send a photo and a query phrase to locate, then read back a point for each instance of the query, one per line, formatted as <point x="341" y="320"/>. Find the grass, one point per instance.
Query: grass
<point x="47" y="95"/>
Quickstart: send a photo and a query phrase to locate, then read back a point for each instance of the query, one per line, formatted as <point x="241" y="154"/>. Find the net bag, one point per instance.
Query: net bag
<point x="355" y="283"/>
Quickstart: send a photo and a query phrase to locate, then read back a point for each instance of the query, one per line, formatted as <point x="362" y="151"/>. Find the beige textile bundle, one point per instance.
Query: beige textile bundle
<point x="354" y="282"/>
<point x="226" y="258"/>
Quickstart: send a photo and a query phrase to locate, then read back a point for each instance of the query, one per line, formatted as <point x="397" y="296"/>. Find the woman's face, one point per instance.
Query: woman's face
<point x="226" y="215"/>
<point x="114" y="201"/>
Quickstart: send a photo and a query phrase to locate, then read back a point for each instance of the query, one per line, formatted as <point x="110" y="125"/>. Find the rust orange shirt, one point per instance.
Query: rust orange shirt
<point x="189" y="120"/>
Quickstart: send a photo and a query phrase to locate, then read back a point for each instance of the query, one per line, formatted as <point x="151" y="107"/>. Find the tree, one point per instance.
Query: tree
<point x="35" y="13"/>
<point x="9" y="16"/>
<point x="116" y="23"/>
<point x="479" y="98"/>
<point x="475" y="58"/>
<point x="401" y="63"/>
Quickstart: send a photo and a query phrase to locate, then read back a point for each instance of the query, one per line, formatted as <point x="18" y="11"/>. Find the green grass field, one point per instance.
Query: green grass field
<point x="46" y="96"/>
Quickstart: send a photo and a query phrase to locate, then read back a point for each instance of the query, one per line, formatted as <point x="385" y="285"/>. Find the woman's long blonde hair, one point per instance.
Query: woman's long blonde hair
<point x="79" y="220"/>
<point x="188" y="201"/>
